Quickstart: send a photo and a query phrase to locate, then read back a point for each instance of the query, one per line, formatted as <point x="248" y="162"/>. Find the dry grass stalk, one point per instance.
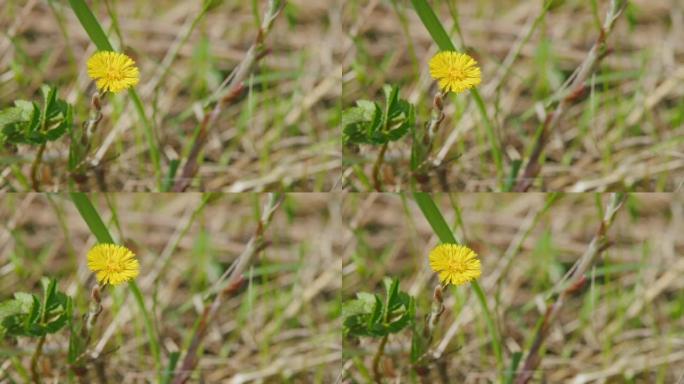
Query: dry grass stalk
<point x="233" y="84"/>
<point x="228" y="284"/>
<point x="570" y="93"/>
<point x="576" y="280"/>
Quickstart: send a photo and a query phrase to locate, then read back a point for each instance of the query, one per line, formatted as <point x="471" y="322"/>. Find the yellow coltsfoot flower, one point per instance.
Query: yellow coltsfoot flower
<point x="454" y="71"/>
<point x="456" y="264"/>
<point x="113" y="264"/>
<point x="113" y="71"/>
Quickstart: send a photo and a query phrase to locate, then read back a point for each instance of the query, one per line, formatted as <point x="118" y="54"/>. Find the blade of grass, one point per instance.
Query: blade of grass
<point x="433" y="25"/>
<point x="91" y="25"/>
<point x="149" y="136"/>
<point x="445" y="235"/>
<point x="99" y="38"/>
<point x="99" y="230"/>
<point x="515" y="361"/>
<point x="441" y="38"/>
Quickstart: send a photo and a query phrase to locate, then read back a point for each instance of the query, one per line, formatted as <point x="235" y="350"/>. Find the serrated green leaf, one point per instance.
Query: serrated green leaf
<point x="352" y="116"/>
<point x="368" y="107"/>
<point x="26" y="106"/>
<point x="354" y="307"/>
<point x="26" y="299"/>
<point x="10" y="115"/>
<point x="376" y="314"/>
<point x="9" y="308"/>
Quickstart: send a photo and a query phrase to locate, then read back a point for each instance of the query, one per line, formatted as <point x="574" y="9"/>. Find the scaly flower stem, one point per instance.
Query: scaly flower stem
<point x="445" y="235"/>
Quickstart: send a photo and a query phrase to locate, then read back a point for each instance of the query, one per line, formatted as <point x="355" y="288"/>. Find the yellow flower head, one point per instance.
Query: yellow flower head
<point x="455" y="72"/>
<point x="113" y="71"/>
<point x="456" y="264"/>
<point x="113" y="264"/>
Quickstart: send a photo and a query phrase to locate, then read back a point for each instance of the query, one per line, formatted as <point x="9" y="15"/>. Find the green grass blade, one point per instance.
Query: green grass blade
<point x="442" y="230"/>
<point x="515" y="361"/>
<point x="99" y="230"/>
<point x="149" y="326"/>
<point x="149" y="136"/>
<point x="91" y="25"/>
<point x="435" y="218"/>
<point x="491" y="135"/>
<point x="92" y="218"/>
<point x="433" y="25"/>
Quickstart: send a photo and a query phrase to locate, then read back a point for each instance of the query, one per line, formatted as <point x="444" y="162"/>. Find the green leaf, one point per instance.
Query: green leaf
<point x="8" y="308"/>
<point x="11" y="115"/>
<point x="27" y="107"/>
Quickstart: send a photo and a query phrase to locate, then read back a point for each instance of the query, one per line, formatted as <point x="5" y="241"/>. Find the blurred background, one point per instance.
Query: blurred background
<point x="625" y="132"/>
<point x="625" y="325"/>
<point x="281" y="327"/>
<point x="281" y="134"/>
